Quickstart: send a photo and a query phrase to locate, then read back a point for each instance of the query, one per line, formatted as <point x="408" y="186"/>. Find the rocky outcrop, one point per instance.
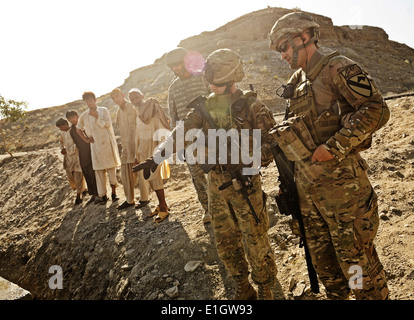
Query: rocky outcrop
<point x="390" y="64"/>
<point x="11" y="291"/>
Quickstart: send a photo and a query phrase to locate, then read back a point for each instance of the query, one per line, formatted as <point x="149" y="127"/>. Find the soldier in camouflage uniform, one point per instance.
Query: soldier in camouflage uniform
<point x="240" y="239"/>
<point x="183" y="89"/>
<point x="340" y="108"/>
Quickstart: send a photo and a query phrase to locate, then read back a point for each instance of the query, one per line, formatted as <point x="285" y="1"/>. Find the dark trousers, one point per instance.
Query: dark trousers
<point x="89" y="175"/>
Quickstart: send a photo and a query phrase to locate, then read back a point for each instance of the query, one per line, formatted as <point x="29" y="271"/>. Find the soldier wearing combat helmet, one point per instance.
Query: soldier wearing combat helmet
<point x="240" y="220"/>
<point x="339" y="107"/>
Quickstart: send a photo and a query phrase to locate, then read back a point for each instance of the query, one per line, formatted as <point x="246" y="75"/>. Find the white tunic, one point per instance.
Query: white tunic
<point x="104" y="150"/>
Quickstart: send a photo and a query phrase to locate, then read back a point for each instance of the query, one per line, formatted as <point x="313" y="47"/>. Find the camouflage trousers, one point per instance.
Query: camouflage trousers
<point x="239" y="239"/>
<point x="340" y="213"/>
<point x="200" y="184"/>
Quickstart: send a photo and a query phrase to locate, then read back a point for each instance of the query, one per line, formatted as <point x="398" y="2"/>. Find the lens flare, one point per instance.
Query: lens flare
<point x="194" y="62"/>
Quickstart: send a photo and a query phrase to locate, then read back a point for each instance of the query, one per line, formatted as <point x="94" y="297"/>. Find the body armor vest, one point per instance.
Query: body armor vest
<point x="302" y="104"/>
<point x="228" y="113"/>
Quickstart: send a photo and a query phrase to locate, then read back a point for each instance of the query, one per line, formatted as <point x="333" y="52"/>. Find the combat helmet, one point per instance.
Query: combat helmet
<point x="175" y="56"/>
<point x="290" y="26"/>
<point x="223" y="66"/>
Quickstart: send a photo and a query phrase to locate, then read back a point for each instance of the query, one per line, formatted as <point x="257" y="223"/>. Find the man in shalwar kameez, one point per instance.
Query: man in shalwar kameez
<point x="126" y="117"/>
<point x="71" y="160"/>
<point x="152" y="126"/>
<point x="96" y="125"/>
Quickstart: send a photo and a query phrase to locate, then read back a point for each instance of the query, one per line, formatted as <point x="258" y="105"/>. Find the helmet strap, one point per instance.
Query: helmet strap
<point x="295" y="51"/>
<point x="227" y="91"/>
<point x="297" y="48"/>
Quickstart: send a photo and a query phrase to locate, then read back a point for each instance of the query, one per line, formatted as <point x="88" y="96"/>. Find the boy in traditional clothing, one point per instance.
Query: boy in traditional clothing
<point x="71" y="160"/>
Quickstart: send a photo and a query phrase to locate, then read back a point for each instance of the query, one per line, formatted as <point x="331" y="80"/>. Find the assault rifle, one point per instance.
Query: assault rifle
<point x="288" y="203"/>
<point x="242" y="183"/>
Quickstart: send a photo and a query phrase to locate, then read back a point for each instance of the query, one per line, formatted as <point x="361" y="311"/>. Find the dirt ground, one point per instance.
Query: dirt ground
<point x="106" y="254"/>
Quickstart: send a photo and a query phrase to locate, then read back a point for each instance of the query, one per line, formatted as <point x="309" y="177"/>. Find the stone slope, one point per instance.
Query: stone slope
<point x="106" y="254"/>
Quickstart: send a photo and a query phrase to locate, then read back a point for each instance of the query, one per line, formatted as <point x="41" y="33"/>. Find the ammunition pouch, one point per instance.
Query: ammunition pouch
<point x="294" y="139"/>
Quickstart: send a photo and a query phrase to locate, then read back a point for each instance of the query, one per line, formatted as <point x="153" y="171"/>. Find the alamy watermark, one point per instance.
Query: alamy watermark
<point x="355" y="282"/>
<point x="56" y="281"/>
<point x="221" y="146"/>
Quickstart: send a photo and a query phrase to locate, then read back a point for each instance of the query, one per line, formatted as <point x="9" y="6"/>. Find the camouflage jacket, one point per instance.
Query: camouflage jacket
<point x="343" y="86"/>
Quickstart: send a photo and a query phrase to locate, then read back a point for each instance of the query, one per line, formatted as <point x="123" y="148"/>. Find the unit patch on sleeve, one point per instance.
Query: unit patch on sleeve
<point x="357" y="81"/>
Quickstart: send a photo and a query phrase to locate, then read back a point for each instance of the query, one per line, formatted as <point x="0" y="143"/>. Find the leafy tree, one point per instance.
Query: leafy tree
<point x="10" y="111"/>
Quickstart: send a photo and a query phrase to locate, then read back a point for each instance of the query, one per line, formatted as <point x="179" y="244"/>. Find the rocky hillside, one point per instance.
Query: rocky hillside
<point x="391" y="65"/>
<point x="106" y="254"/>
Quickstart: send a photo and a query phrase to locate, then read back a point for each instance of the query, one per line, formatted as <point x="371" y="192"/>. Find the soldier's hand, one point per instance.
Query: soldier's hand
<point x="321" y="154"/>
<point x="148" y="166"/>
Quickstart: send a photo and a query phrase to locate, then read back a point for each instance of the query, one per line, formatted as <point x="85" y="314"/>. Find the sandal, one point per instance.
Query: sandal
<point x="161" y="216"/>
<point x="155" y="212"/>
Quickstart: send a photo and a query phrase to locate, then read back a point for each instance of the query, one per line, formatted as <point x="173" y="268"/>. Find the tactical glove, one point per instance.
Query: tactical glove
<point x="149" y="165"/>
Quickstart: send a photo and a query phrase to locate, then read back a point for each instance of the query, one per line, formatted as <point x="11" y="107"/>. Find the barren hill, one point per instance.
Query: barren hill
<point x="106" y="254"/>
<point x="391" y="65"/>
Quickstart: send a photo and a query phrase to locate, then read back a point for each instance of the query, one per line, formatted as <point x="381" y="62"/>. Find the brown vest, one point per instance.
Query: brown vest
<point x="303" y="104"/>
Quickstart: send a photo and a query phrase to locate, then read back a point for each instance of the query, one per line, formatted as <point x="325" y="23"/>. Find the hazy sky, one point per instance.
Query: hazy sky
<point x="54" y="50"/>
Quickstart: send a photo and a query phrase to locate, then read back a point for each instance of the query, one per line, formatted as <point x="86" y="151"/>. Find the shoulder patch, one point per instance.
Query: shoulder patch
<point x="357" y="80"/>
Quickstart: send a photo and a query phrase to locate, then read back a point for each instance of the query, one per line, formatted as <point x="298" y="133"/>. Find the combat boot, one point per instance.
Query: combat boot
<point x="265" y="293"/>
<point x="244" y="290"/>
